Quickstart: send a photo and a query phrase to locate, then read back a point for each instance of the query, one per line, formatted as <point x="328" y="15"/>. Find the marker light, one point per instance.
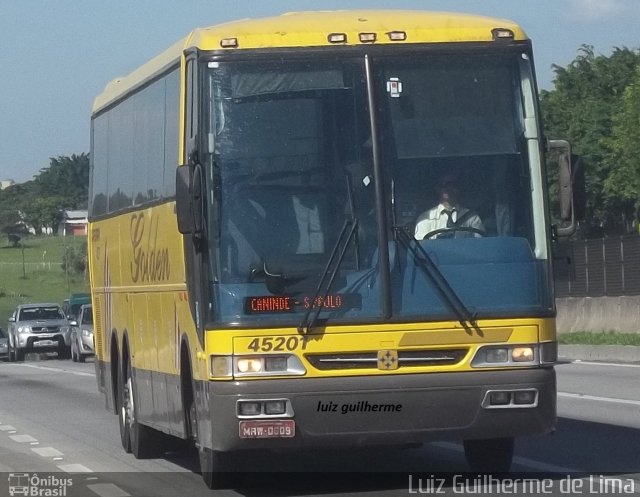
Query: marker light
<point x="397" y="35"/>
<point x="229" y="43"/>
<point x="337" y="38"/>
<point x="367" y="37"/>
<point x="502" y="34"/>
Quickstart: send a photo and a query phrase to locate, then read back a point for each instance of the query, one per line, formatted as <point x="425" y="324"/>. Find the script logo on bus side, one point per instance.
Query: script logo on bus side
<point x="150" y="263"/>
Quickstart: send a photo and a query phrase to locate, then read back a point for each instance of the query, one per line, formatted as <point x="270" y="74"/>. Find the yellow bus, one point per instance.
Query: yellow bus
<point x="263" y="270"/>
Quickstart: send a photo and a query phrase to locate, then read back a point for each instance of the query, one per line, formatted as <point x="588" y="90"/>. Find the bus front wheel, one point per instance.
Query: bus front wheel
<point x="493" y="455"/>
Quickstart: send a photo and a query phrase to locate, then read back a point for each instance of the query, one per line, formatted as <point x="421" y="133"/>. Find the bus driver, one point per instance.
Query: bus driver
<point x="448" y="219"/>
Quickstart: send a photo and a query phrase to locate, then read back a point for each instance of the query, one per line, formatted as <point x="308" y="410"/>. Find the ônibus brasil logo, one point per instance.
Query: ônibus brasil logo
<point x="32" y="485"/>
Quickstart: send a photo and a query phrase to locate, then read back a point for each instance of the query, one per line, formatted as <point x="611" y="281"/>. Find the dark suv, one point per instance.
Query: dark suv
<point x="38" y="328"/>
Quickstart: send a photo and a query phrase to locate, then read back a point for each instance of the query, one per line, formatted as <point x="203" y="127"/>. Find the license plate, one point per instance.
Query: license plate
<point x="285" y="428"/>
<point x="44" y="343"/>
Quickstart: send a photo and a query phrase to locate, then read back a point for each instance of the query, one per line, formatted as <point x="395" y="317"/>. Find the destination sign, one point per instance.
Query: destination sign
<point x="277" y="304"/>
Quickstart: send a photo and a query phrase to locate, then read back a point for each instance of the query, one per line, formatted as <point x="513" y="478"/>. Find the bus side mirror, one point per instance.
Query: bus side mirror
<point x="183" y="200"/>
<point x="189" y="208"/>
<point x="570" y="187"/>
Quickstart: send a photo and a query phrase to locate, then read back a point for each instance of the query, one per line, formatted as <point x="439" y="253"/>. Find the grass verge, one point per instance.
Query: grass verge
<point x="603" y="338"/>
<point x="33" y="272"/>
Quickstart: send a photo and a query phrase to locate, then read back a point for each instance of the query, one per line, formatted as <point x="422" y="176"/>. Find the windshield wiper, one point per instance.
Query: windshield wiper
<point x="331" y="270"/>
<point x="350" y="226"/>
<point x="447" y="293"/>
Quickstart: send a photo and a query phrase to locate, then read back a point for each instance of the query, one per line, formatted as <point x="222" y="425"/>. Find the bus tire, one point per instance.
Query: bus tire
<point x="123" y="421"/>
<point x="493" y="455"/>
<point x="145" y="441"/>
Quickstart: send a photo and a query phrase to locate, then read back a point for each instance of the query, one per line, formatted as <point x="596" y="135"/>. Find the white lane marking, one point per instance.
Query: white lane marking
<point x="7" y="428"/>
<point x="520" y="461"/>
<point x="47" y="452"/>
<point x="74" y="468"/>
<point x="542" y="466"/>
<point x="614" y="364"/>
<point x="598" y="399"/>
<point x="23" y="438"/>
<point x="57" y="370"/>
<point x="108" y="490"/>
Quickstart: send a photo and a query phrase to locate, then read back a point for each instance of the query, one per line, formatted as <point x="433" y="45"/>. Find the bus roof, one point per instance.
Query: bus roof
<point x="311" y="29"/>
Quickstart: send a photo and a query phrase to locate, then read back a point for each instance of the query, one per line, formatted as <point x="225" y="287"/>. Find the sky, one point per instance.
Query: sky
<point x="57" y="55"/>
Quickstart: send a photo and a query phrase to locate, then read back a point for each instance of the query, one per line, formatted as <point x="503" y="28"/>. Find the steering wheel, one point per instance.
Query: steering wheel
<point x="453" y="229"/>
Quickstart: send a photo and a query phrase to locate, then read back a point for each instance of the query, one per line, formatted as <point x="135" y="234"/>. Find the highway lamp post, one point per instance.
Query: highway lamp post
<point x="24" y="270"/>
<point x="66" y="261"/>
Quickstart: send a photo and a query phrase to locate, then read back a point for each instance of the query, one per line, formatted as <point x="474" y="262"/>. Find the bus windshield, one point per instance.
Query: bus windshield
<point x="290" y="161"/>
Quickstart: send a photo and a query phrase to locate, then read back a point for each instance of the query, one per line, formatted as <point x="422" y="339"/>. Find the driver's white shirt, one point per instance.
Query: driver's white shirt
<point x="436" y="218"/>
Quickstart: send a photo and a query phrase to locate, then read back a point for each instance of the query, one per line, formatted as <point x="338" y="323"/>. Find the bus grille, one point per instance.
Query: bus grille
<point x="369" y="360"/>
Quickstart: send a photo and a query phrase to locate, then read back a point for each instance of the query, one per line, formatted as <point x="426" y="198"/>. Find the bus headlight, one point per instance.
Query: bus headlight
<point x="230" y="366"/>
<point x="249" y="365"/>
<point x="522" y="354"/>
<point x="268" y="365"/>
<point x="220" y="366"/>
<point x="506" y="355"/>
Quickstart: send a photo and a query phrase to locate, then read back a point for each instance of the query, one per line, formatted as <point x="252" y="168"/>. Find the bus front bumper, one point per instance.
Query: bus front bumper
<point x="385" y="410"/>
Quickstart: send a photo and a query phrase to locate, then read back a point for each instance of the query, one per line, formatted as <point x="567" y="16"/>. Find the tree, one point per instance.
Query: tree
<point x="66" y="178"/>
<point x="40" y="203"/>
<point x="74" y="260"/>
<point x="623" y="184"/>
<point x="581" y="107"/>
<point x="44" y="212"/>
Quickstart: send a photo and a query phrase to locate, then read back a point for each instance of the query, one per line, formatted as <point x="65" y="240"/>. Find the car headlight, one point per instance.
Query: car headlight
<point x="24" y="329"/>
<point x="87" y="333"/>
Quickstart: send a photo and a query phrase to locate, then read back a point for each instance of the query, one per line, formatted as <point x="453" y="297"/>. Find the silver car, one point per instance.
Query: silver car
<point x="38" y="328"/>
<point x="82" y="334"/>
<point x="4" y="347"/>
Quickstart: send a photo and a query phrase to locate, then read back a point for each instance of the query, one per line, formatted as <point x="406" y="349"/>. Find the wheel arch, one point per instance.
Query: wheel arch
<point x="187" y="393"/>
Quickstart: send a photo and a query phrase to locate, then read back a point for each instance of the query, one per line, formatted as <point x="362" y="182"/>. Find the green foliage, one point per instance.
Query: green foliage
<point x="623" y="184"/>
<point x="67" y="180"/>
<point x="74" y="259"/>
<point x="583" y="108"/>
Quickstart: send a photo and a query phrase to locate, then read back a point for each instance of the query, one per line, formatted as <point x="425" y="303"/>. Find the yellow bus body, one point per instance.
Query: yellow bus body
<point x="137" y="257"/>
